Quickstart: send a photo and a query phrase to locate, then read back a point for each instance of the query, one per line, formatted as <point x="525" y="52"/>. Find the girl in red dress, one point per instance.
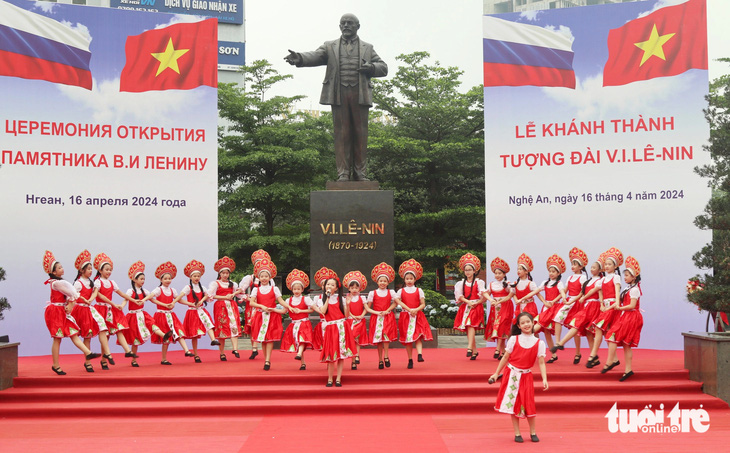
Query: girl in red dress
<point x="338" y="343"/>
<point x="554" y="293"/>
<point x="626" y="330"/>
<point x="469" y="296"/>
<point x="320" y="278"/>
<point x="246" y="286"/>
<point x="164" y="297"/>
<point x="516" y="394"/>
<point x="582" y="322"/>
<point x="356" y="282"/>
<point x="266" y="325"/>
<point x="58" y="317"/>
<point x="499" y="294"/>
<point x="298" y="334"/>
<point x="610" y="291"/>
<point x="226" y="318"/>
<point x="197" y="321"/>
<point x="412" y="323"/>
<point x="141" y="324"/>
<point x="90" y="322"/>
<point x="524" y="286"/>
<point x="112" y="313"/>
<point x="571" y="307"/>
<point x="380" y="304"/>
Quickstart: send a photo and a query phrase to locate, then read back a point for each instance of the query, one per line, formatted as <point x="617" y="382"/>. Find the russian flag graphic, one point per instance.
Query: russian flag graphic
<point x="37" y="47"/>
<point x="517" y="54"/>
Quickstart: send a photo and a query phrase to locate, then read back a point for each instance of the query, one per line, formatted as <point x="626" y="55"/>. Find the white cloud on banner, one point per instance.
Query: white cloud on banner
<point x="109" y="105"/>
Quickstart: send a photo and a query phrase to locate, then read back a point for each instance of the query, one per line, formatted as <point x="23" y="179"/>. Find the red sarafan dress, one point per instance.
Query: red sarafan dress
<point x="88" y="319"/>
<point x="545" y="318"/>
<point x="248" y="284"/>
<point x="166" y="319"/>
<point x="608" y="289"/>
<point x="567" y="312"/>
<point x="626" y="329"/>
<point x="516" y="394"/>
<point x="501" y="324"/>
<point x="412" y="328"/>
<point x="114" y="317"/>
<point x="197" y="321"/>
<point x="141" y="324"/>
<point x="60" y="324"/>
<point x="583" y="319"/>
<point x="226" y="318"/>
<point x="266" y="327"/>
<point x="383" y="328"/>
<point x="299" y="331"/>
<point x="469" y="316"/>
<point x="358" y="326"/>
<point x="523" y="288"/>
<point x="338" y="342"/>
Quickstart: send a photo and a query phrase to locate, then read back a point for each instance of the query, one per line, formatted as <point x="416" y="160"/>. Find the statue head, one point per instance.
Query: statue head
<point x="349" y="25"/>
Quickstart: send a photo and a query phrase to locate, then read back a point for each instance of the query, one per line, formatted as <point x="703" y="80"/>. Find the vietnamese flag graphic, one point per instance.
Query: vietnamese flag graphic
<point x="177" y="57"/>
<point x="667" y="42"/>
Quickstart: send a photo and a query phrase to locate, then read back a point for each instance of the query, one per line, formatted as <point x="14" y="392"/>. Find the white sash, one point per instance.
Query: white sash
<point x="379" y="324"/>
<point x="465" y="317"/>
<point x="513" y="389"/>
<point x="232" y="319"/>
<point x="297" y="323"/>
<point x="340" y="323"/>
<point x="141" y="326"/>
<point x="411" y="326"/>
<point x="205" y="319"/>
<point x="170" y="323"/>
<point x="563" y="313"/>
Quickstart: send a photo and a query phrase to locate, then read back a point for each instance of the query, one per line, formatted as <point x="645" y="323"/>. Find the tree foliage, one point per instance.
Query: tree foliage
<point x="432" y="156"/>
<point x="715" y="256"/>
<point x="269" y="159"/>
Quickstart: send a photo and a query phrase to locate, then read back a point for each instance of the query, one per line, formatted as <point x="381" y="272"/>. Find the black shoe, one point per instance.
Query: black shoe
<point x="223" y="358"/>
<point x="197" y="359"/>
<point x="381" y="366"/>
<point x="89" y="368"/>
<point x="303" y="367"/>
<point x="554" y="349"/>
<point x="238" y="356"/>
<point x="130" y="354"/>
<point x="253" y="355"/>
<point x="553" y="359"/>
<point x="109" y="358"/>
<point x="410" y="364"/>
<point x="496" y="354"/>
<point x="468" y="352"/>
<point x="167" y="336"/>
<point x="58" y="371"/>
<point x="329" y="384"/>
<point x="189" y="354"/>
<point x="357" y="359"/>
<point x="338" y="384"/>
<point x="104" y="366"/>
<point x="518" y="439"/>
<point x="135" y="364"/>
<point x="561" y="347"/>
<point x="576" y="359"/>
<point x="592" y="362"/>
<point x="267" y="366"/>
<point x="626" y="376"/>
<point x="297" y="357"/>
<point x="353" y="366"/>
<point x="534" y="438"/>
<point x="474" y="356"/>
<point x="420" y="358"/>
<point x="165" y="362"/>
<point x="92" y="355"/>
<point x="215" y="343"/>
<point x="387" y="362"/>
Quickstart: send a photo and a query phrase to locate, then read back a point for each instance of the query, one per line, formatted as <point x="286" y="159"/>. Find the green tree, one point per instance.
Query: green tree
<point x="4" y="304"/>
<point x="715" y="293"/>
<point x="269" y="159"/>
<point x="428" y="147"/>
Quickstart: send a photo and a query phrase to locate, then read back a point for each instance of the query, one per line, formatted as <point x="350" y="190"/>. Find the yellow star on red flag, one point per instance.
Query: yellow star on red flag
<point x="653" y="46"/>
<point x="168" y="58"/>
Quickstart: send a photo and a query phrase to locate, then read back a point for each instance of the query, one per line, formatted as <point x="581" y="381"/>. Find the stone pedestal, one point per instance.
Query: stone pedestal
<point x="8" y="364"/>
<point x="707" y="358"/>
<point x="350" y="229"/>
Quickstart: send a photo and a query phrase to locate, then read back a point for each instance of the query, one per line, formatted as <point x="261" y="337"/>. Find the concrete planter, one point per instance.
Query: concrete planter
<point x="707" y="358"/>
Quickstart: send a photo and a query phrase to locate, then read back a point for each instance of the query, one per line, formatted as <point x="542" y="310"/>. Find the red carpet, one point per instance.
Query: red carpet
<point x="444" y="404"/>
